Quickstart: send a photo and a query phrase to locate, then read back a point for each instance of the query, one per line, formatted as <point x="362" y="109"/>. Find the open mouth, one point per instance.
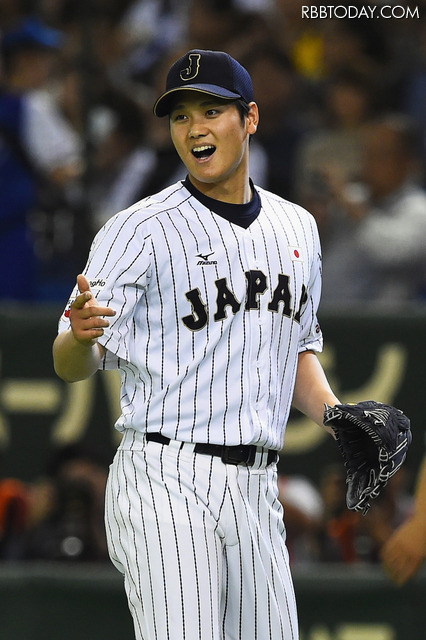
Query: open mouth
<point x="204" y="152"/>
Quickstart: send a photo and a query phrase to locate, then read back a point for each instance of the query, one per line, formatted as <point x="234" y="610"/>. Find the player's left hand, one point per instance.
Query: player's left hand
<point x="373" y="439"/>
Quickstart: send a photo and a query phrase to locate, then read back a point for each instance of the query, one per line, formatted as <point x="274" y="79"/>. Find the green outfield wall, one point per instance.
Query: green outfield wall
<point x="366" y="356"/>
<point x="68" y="602"/>
<point x="372" y="356"/>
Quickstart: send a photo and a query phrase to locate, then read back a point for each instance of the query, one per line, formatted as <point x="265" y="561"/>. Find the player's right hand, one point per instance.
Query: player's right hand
<point x="87" y="317"/>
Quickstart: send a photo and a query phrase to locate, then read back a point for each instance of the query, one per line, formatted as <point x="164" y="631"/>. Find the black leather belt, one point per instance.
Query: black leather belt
<point x="240" y="454"/>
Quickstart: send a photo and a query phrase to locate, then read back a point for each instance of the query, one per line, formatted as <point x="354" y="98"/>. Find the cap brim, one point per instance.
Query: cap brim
<point x="162" y="106"/>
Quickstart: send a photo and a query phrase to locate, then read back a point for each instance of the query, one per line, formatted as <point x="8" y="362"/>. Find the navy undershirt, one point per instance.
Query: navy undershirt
<point x="241" y="214"/>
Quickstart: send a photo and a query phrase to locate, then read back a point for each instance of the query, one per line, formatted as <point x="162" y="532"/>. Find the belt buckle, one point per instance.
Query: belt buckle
<point x="238" y="454"/>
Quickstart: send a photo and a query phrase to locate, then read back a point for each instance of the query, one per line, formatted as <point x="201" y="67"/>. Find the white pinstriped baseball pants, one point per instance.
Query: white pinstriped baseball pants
<point x="201" y="544"/>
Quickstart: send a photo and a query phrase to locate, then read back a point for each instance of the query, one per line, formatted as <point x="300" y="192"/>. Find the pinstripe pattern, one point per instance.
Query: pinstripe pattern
<point x="210" y="318"/>
<point x="201" y="561"/>
<point x="229" y="381"/>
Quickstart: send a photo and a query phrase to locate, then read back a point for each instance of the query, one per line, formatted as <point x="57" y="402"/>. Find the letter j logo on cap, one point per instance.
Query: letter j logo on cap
<point x="191" y="72"/>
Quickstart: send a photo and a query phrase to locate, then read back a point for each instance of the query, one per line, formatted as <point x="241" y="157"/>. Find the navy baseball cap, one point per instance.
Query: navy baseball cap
<point x="212" y="72"/>
<point x="31" y="33"/>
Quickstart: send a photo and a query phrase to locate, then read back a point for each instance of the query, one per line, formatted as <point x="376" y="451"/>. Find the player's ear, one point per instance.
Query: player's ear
<point x="252" y="118"/>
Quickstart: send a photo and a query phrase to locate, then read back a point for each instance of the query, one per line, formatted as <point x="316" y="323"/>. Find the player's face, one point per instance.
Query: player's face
<point x="212" y="142"/>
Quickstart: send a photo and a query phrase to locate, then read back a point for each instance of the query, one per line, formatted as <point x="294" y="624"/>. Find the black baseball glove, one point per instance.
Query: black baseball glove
<point x="373" y="439"/>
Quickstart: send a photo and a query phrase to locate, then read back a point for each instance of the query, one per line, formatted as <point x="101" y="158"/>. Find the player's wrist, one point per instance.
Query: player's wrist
<point x="83" y="343"/>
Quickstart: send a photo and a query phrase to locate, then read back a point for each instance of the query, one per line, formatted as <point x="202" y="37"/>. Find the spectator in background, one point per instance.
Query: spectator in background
<point x="123" y="163"/>
<point x="71" y="526"/>
<point x="405" y="550"/>
<point x="59" y="516"/>
<point x="336" y="539"/>
<point x="335" y="146"/>
<point x="303" y="512"/>
<point x="321" y="48"/>
<point x="389" y="511"/>
<point x="300" y="39"/>
<point x="23" y="506"/>
<point x="212" y="24"/>
<point x="378" y="255"/>
<point x="276" y="83"/>
<point x="144" y="33"/>
<point x="41" y="154"/>
<point x="412" y="89"/>
<point x="154" y="157"/>
<point x="358" y="44"/>
<point x="14" y="518"/>
<point x="348" y="536"/>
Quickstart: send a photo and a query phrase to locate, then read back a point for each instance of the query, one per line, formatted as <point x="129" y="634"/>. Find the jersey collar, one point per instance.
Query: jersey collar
<point x="240" y="214"/>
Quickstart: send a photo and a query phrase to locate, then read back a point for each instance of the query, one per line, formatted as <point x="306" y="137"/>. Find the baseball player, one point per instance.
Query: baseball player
<point x="204" y="296"/>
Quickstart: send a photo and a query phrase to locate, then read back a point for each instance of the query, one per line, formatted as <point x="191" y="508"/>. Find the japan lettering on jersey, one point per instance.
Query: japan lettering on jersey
<point x="210" y="316"/>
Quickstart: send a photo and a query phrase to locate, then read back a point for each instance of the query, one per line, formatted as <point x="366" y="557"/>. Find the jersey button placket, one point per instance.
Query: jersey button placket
<point x="254" y="331"/>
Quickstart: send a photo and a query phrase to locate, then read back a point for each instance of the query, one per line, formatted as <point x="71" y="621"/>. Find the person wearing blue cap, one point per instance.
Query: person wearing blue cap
<point x="31" y="33"/>
<point x="39" y="149"/>
<point x="204" y="296"/>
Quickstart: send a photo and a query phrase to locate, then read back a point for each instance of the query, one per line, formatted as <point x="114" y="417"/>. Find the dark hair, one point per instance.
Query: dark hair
<point x="243" y="108"/>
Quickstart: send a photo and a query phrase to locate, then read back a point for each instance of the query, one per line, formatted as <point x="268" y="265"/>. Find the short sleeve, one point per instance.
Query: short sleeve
<point x="118" y="270"/>
<point x="310" y="331"/>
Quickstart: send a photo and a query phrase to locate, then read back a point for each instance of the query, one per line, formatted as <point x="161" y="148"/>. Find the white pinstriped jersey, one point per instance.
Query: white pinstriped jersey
<point x="210" y="316"/>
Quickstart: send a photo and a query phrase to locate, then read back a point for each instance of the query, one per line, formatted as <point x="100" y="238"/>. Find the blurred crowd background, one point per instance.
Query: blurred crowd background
<point x="59" y="516"/>
<point x="342" y="132"/>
